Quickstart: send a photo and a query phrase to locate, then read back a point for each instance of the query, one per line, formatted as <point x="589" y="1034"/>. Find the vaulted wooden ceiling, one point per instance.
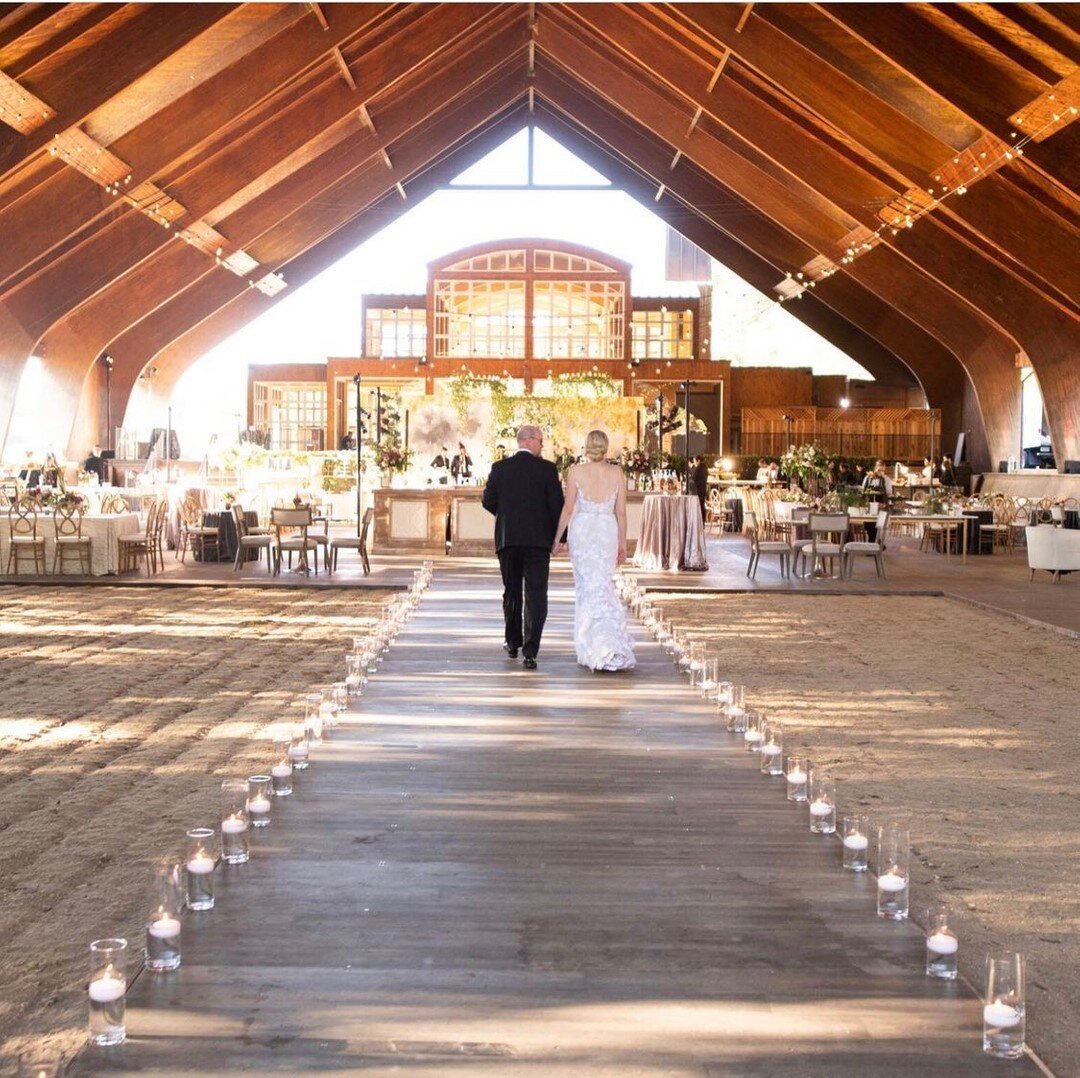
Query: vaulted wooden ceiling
<point x="168" y="171"/>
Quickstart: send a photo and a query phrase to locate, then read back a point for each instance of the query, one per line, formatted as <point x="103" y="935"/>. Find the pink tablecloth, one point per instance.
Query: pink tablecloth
<point x="672" y="534"/>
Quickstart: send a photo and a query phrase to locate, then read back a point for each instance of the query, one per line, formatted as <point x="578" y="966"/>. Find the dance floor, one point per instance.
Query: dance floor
<point x="494" y="871"/>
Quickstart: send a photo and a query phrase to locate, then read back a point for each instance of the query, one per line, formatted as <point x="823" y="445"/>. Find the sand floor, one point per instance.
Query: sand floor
<point x="122" y="710"/>
<point x="962" y="723"/>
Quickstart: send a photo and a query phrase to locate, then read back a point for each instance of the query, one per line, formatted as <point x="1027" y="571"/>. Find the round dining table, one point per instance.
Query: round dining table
<point x="672" y="534"/>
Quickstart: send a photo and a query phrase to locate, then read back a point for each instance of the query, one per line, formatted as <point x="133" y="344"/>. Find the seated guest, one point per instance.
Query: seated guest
<point x="348" y="440"/>
<point x="878" y="483"/>
<point x="763" y="473"/>
<point x="844" y="475"/>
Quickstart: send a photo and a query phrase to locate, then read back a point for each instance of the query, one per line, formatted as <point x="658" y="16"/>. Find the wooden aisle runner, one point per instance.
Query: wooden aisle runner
<point x="491" y="871"/>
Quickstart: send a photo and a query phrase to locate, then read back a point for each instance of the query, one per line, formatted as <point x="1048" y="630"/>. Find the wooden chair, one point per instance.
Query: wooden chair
<point x="764" y="546"/>
<point x="875" y="550"/>
<point x="23" y="538"/>
<point x="352" y="542"/>
<point x="193" y="529"/>
<point x="114" y="503"/>
<point x="145" y="544"/>
<point x="287" y="518"/>
<point x="67" y="521"/>
<point x="247" y="540"/>
<point x="1000" y="532"/>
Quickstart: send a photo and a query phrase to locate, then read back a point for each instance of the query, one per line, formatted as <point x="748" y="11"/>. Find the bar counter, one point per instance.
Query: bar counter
<point x="425" y="521"/>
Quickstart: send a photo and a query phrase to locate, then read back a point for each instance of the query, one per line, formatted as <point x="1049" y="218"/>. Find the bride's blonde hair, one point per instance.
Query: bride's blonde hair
<point x="596" y="445"/>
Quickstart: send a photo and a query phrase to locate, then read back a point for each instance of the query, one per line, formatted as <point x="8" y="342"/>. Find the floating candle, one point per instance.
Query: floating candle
<point x="200" y="864"/>
<point x="770" y="750"/>
<point x="282" y="770"/>
<point x="796" y="776"/>
<point x="107" y="988"/>
<point x="233" y="825"/>
<point x="891" y="881"/>
<point x="164" y="928"/>
<point x="752" y="735"/>
<point x="298" y="751"/>
<point x="259" y="805"/>
<point x="820" y="808"/>
<point x="855" y="841"/>
<point x="942" y="943"/>
<point x="1001" y="1015"/>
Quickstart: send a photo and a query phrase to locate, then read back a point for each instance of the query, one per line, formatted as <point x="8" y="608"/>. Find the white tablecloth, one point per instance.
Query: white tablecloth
<point x="103" y="532"/>
<point x="672" y="533"/>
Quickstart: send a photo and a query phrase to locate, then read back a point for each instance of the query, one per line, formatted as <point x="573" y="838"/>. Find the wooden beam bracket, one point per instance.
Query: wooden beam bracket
<point x="20" y="109"/>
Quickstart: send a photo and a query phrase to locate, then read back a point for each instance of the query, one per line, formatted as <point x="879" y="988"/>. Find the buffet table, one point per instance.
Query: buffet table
<point x="103" y="531"/>
<point x="672" y="534"/>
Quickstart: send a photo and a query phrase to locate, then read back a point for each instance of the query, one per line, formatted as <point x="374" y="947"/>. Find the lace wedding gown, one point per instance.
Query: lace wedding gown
<point x="600" y="636"/>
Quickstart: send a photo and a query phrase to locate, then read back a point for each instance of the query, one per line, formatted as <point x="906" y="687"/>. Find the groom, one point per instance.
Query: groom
<point x="525" y="495"/>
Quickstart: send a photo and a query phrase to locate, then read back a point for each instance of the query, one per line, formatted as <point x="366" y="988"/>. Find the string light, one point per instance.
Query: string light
<point x="914" y="213"/>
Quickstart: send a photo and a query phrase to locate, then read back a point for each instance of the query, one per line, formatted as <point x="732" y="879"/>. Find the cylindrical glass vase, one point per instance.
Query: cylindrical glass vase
<point x="797" y="777"/>
<point x="894" y="852"/>
<point x="752" y="734"/>
<point x="340" y="696"/>
<point x="107" y="991"/>
<point x="200" y="862"/>
<point x="281" y="769"/>
<point x="313" y="718"/>
<point x="855" y="837"/>
<point x="942" y="944"/>
<point x="260" y="793"/>
<point x="772" y="749"/>
<point x="735" y="710"/>
<point x="298" y="747"/>
<point x="234" y="822"/>
<point x="1004" y="1019"/>
<point x="163" y="923"/>
<point x="822" y="806"/>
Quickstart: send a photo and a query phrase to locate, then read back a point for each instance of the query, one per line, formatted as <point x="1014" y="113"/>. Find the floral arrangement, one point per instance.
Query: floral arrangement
<point x="638" y="462"/>
<point x="804" y="462"/>
<point x="54" y="499"/>
<point x="797" y="497"/>
<point x="392" y="458"/>
<point x="571" y="384"/>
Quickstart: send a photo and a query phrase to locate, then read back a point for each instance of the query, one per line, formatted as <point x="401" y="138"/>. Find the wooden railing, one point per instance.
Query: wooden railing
<point x="890" y="433"/>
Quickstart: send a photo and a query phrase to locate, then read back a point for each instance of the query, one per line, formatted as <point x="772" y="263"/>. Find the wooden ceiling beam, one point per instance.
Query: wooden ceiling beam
<point x="986" y="87"/>
<point x="100" y="71"/>
<point x="1010" y="227"/>
<point x="32" y="31"/>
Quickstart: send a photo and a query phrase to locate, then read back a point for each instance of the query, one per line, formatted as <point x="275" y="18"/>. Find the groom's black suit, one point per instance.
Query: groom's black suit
<point x="526" y="497"/>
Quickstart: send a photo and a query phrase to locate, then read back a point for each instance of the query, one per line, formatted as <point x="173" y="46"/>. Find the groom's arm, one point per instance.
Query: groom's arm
<point x="554" y="494"/>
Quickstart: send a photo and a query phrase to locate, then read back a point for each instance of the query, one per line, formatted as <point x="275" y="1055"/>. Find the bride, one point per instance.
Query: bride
<point x="596" y="511"/>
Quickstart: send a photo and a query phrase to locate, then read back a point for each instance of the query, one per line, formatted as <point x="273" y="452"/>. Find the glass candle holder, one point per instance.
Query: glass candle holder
<point x="942" y="944"/>
<point x="797" y="777"/>
<point x="313" y="718"/>
<point x="234" y="822"/>
<point x="735" y="710"/>
<point x="298" y="748"/>
<point x="772" y="749"/>
<point x="710" y="677"/>
<point x="822" y="804"/>
<point x="855" y="837"/>
<point x="340" y="696"/>
<point x="260" y="792"/>
<point x="163" y="923"/>
<point x="281" y="769"/>
<point x="1004" y="1019"/>
<point x="894" y="851"/>
<point x="753" y="733"/>
<point x="107" y="990"/>
<point x="355" y="674"/>
<point x="695" y="660"/>
<point x="199" y="863"/>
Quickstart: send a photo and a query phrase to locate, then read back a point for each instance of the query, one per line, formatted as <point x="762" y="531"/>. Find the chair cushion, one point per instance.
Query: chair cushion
<point x="26" y="540"/>
<point x="772" y="547"/>
<point x="346" y="542"/>
<point x="74" y="539"/>
<point x="257" y="540"/>
<point x="863" y="548"/>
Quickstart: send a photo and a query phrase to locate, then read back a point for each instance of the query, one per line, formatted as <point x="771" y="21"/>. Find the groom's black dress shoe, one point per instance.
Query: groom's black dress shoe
<point x="511" y="651"/>
<point x="529" y="664"/>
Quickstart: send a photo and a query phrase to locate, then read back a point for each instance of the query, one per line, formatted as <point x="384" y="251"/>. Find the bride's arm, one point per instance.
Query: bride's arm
<point x="620" y="515"/>
<point x="567" y="509"/>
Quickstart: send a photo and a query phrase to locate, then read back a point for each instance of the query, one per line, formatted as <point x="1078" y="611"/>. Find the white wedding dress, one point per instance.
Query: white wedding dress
<point x="601" y="639"/>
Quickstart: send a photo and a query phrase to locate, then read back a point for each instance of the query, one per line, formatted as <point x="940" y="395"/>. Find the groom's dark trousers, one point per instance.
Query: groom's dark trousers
<point x="524" y="494"/>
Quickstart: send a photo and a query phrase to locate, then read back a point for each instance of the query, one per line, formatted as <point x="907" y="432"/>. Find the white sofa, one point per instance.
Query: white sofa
<point x="1056" y="550"/>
